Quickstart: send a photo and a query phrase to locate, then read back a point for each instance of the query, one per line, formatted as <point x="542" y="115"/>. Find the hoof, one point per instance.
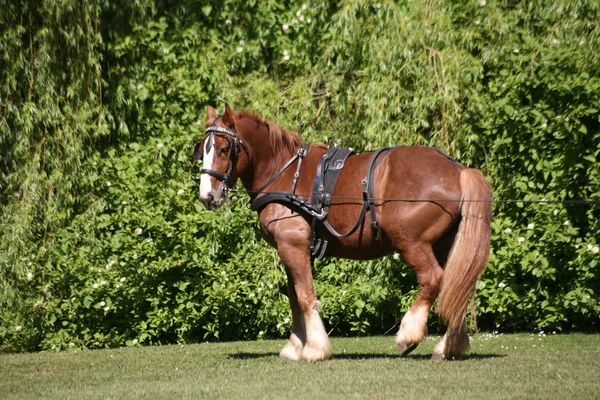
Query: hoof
<point x="288" y="354"/>
<point x="315" y="354"/>
<point x="292" y="350"/>
<point x="405" y="349"/>
<point x="438" y="357"/>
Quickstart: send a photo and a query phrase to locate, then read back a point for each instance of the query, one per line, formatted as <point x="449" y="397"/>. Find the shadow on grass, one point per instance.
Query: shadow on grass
<point x="362" y="356"/>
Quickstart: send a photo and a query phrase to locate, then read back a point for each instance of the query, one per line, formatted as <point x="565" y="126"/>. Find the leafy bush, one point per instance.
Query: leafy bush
<point x="103" y="242"/>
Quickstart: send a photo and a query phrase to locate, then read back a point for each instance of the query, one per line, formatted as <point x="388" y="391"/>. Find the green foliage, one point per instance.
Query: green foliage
<point x="102" y="241"/>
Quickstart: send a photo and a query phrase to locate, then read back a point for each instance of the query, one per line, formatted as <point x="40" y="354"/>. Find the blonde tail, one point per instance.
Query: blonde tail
<point x="468" y="258"/>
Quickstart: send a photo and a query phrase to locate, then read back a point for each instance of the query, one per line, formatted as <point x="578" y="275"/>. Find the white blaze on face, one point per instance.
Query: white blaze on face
<point x="207" y="163"/>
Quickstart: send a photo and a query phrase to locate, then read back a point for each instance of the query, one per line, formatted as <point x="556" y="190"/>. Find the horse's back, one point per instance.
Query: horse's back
<point x="405" y="173"/>
<point x="417" y="197"/>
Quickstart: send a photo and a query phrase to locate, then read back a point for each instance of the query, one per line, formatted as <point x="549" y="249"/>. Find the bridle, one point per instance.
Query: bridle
<point x="234" y="152"/>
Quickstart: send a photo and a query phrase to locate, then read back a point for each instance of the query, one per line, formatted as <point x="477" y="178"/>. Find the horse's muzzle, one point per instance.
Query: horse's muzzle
<point x="211" y="203"/>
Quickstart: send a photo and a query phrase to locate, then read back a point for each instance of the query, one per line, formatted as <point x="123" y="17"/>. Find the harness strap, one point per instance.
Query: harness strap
<point x="299" y="155"/>
<point x="368" y="189"/>
<point x="370" y="179"/>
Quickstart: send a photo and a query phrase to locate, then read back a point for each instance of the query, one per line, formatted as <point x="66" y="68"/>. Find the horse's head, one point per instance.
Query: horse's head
<point x="219" y="152"/>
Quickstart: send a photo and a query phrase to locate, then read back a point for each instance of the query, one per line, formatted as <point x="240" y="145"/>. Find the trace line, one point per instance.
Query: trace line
<point x="543" y="201"/>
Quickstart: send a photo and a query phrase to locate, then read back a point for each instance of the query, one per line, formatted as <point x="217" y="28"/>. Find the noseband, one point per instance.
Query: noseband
<point x="233" y="155"/>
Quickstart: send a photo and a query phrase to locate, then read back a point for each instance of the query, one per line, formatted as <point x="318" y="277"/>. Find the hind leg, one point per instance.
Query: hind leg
<point x="453" y="345"/>
<point x="413" y="328"/>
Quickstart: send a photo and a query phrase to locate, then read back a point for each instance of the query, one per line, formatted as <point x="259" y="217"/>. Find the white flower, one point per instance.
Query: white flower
<point x="477" y="22"/>
<point x="308" y="20"/>
<point x="482" y="3"/>
<point x="251" y="295"/>
<point x="108" y="183"/>
<point x="123" y="279"/>
<point x="286" y="57"/>
<point x="516" y="51"/>
<point x="304" y="6"/>
<point x="595" y="250"/>
<point x="544" y="125"/>
<point x="123" y="202"/>
<point x="566" y="223"/>
<point x="242" y="42"/>
<point x="103" y="282"/>
<point x="240" y="49"/>
<point x="555" y="212"/>
<point x="227" y="22"/>
<point x="95" y="286"/>
<point x="71" y="344"/>
<point x="530" y="226"/>
<point x="110" y="264"/>
<point x="180" y="192"/>
<point x="299" y="13"/>
<point x="102" y="304"/>
<point x="159" y="146"/>
<point x="502" y="285"/>
<point x="106" y="308"/>
<point x="135" y="341"/>
<point x="301" y="18"/>
<point x="287" y="320"/>
<point x="521" y="239"/>
<point x="165" y="51"/>
<point x="18" y="328"/>
<point x="138" y="231"/>
<point x="223" y="272"/>
<point x="30" y="276"/>
<point x="507" y="230"/>
<point x="261" y="333"/>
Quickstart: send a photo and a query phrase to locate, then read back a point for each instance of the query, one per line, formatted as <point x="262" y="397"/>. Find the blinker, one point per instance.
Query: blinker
<point x="197" y="152"/>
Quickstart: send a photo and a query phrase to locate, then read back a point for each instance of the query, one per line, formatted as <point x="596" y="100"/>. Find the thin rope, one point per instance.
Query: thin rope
<point x="383" y="199"/>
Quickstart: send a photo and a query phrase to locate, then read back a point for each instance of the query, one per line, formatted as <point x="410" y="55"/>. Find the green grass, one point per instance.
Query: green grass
<point x="499" y="366"/>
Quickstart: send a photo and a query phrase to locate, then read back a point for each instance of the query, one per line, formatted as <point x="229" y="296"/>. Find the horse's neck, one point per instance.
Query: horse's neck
<point x="266" y="161"/>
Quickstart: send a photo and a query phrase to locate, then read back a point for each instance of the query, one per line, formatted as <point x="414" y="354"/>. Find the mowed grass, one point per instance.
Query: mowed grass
<point x="520" y="366"/>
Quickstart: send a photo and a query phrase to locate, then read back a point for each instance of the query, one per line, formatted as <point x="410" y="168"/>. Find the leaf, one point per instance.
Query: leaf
<point x="207" y="10"/>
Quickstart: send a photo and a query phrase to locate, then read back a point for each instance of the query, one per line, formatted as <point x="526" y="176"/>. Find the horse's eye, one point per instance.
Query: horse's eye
<point x="225" y="151"/>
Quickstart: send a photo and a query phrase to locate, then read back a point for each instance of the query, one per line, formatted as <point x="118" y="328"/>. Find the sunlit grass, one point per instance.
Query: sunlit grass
<point x="499" y="366"/>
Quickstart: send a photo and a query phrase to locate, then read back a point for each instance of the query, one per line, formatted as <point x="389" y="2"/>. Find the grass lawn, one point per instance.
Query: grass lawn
<point x="521" y="366"/>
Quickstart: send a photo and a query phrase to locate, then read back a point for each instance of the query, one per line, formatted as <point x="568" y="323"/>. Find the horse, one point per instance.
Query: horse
<point x="433" y="211"/>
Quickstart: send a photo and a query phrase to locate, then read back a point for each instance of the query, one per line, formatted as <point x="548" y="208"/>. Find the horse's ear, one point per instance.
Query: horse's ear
<point x="228" y="117"/>
<point x="211" y="114"/>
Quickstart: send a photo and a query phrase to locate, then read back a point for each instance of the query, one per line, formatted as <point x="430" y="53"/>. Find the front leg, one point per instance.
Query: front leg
<point x="293" y="349"/>
<point x="290" y="235"/>
<point x="308" y="340"/>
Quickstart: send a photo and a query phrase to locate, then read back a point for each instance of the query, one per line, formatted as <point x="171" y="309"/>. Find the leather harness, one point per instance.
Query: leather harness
<point x="317" y="208"/>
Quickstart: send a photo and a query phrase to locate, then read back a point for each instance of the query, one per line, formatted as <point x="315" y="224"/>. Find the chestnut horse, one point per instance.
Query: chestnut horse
<point x="444" y="236"/>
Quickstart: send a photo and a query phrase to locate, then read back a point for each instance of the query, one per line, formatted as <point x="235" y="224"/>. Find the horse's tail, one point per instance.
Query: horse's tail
<point x="469" y="254"/>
